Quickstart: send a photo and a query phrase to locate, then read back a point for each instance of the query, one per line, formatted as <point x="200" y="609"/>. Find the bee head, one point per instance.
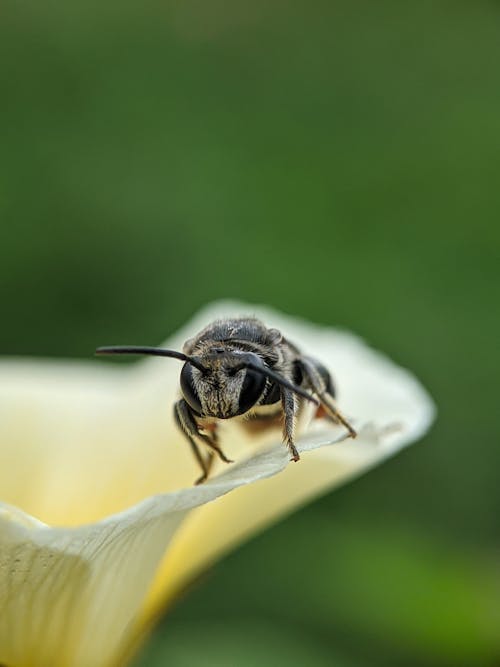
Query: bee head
<point x="228" y="386"/>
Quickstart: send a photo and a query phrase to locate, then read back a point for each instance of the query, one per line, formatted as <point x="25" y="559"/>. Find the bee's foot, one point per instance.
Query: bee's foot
<point x="224" y="458"/>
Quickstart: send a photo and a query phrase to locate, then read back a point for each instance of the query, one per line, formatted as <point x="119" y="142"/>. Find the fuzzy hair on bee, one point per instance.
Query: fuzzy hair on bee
<point x="239" y="368"/>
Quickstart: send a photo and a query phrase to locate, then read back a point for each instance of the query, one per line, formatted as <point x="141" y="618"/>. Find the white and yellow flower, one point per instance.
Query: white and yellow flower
<point x="91" y="450"/>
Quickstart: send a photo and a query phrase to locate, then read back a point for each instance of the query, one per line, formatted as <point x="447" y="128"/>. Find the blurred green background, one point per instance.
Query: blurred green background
<point x="339" y="161"/>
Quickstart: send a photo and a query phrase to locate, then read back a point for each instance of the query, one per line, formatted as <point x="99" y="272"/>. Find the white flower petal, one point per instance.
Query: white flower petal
<point x="88" y="440"/>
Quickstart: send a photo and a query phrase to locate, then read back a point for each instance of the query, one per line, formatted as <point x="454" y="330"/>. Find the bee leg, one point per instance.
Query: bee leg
<point x="289" y="404"/>
<point x="319" y="380"/>
<point x="184" y="421"/>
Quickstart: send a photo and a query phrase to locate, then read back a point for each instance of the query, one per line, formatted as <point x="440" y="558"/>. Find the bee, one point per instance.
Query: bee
<point x="238" y="367"/>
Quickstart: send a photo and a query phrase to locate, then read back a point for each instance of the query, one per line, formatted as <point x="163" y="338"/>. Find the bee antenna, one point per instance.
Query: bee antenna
<point x="265" y="370"/>
<point x="154" y="351"/>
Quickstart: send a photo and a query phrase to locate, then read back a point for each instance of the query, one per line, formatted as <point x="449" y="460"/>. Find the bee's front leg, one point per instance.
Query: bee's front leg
<point x="186" y="421"/>
<point x="211" y="439"/>
<point x="187" y="425"/>
<point x="289" y="403"/>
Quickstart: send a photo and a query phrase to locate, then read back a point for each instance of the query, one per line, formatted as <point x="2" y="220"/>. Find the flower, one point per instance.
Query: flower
<point x="91" y="450"/>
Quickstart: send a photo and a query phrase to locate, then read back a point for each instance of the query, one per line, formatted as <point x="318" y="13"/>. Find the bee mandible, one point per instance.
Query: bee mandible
<point x="240" y="368"/>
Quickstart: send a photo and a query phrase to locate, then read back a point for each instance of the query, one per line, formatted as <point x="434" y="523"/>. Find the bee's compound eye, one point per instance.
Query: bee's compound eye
<point x="188" y="389"/>
<point x="251" y="390"/>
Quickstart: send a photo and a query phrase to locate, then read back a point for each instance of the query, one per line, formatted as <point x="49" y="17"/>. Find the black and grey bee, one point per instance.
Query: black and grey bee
<point x="240" y="368"/>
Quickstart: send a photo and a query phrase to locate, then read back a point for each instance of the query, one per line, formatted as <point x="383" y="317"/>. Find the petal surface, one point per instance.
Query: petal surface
<point x="68" y="596"/>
